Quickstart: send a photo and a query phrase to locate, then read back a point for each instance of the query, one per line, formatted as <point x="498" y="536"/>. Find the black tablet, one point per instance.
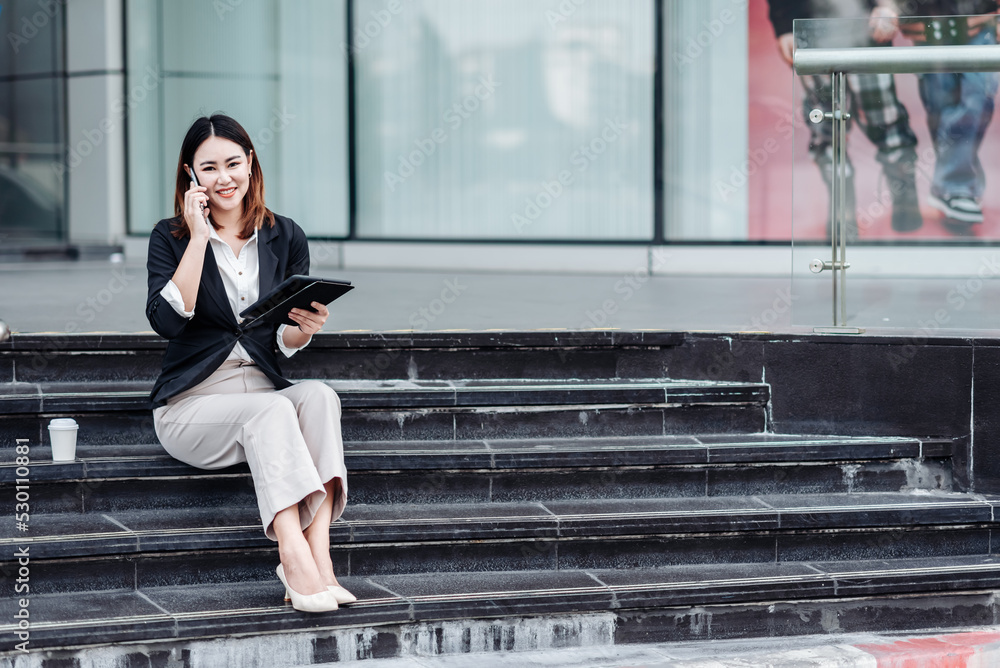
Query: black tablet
<point x="295" y="292"/>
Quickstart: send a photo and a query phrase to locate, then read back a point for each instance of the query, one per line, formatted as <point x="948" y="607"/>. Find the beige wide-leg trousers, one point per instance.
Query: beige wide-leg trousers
<point x="290" y="438"/>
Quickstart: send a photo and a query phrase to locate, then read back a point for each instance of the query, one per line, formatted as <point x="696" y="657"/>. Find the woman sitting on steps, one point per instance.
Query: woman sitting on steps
<point x="220" y="398"/>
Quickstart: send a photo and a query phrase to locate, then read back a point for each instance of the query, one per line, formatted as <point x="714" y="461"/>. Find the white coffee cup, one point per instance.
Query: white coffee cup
<point x="62" y="432"/>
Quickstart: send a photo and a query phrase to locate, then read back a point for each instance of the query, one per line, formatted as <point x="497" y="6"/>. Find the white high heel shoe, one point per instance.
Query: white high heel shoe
<point x="323" y="601"/>
<point x="342" y="595"/>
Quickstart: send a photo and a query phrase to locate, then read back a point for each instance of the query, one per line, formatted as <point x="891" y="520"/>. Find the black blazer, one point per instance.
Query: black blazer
<point x="197" y="347"/>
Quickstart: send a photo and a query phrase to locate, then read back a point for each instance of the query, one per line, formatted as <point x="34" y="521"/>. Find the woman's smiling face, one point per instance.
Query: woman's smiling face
<point x="223" y="168"/>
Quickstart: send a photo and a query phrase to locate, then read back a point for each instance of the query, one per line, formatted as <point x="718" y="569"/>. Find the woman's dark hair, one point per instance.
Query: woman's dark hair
<point x="255" y="214"/>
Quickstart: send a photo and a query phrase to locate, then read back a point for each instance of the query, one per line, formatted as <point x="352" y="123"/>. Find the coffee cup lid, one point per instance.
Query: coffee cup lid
<point x="63" y="423"/>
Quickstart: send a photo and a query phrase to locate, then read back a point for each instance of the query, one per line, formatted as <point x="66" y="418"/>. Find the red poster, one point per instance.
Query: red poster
<point x="786" y="184"/>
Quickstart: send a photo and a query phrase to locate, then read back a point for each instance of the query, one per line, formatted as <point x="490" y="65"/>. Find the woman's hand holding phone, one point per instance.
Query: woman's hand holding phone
<point x="196" y="208"/>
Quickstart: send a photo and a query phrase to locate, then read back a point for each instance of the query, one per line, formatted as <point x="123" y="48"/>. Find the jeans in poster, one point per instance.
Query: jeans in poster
<point x="959" y="108"/>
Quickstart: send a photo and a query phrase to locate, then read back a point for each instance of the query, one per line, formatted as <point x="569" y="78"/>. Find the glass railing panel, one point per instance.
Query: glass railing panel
<point x="899" y="230"/>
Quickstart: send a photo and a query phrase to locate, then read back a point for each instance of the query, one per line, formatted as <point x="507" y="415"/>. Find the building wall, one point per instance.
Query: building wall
<point x="494" y="120"/>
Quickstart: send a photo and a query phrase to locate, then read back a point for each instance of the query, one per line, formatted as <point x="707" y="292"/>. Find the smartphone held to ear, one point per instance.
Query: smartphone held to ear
<point x="194" y="180"/>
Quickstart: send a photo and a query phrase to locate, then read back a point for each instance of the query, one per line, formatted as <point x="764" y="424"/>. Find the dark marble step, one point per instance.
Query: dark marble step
<point x="371" y="356"/>
<point x="111" y="479"/>
<point x="507" y="485"/>
<point x="149" y="459"/>
<point x="96" y="397"/>
<point x="664" y="601"/>
<point x="102" y="461"/>
<point x="615" y="532"/>
<point x="444" y="424"/>
<point x="253" y="559"/>
<point x="114" y="414"/>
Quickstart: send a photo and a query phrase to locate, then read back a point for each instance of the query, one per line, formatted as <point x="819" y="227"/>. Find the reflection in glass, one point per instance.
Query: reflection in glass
<point x="708" y="175"/>
<point x="32" y="37"/>
<point x="504" y="119"/>
<point x="31" y="122"/>
<point x="276" y="67"/>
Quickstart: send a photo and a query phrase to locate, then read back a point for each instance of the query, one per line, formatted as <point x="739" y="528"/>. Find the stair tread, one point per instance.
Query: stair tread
<point x="374" y="340"/>
<point x="149" y="459"/>
<point x="204" y="610"/>
<point x="355" y="394"/>
<point x="73" y="534"/>
<point x="359" y="385"/>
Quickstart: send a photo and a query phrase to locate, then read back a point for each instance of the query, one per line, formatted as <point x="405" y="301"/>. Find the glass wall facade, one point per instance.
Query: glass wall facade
<point x="505" y="119"/>
<point x="512" y="120"/>
<point x="278" y="67"/>
<point x="32" y="121"/>
<point x="622" y="121"/>
<point x="706" y="118"/>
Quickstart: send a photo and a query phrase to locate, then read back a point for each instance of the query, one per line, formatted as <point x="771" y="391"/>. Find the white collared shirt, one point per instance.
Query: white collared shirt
<point x="240" y="276"/>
